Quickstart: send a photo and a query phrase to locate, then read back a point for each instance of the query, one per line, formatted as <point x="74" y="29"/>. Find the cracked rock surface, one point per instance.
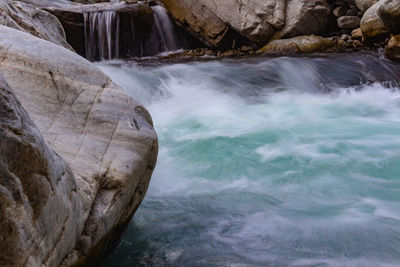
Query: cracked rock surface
<point x="105" y="138"/>
<point x="213" y="21"/>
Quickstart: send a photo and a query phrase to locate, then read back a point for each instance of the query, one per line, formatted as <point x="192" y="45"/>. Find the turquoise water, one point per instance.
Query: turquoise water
<point x="268" y="162"/>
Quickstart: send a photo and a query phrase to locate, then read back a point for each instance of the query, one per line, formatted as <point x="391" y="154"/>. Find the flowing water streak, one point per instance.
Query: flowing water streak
<point x="165" y="29"/>
<point x="268" y="162"/>
<point x="101" y="34"/>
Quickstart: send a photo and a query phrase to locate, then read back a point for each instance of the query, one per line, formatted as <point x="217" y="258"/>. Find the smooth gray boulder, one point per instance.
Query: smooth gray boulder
<point x="105" y="137"/>
<point x="25" y="17"/>
<point x="39" y="205"/>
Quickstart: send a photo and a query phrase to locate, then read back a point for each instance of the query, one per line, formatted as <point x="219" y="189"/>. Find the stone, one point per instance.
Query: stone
<point x="363" y="5"/>
<point x="25" y="17"/>
<point x="389" y="11"/>
<point x="39" y="204"/>
<point x="372" y="26"/>
<point x="216" y="22"/>
<point x="340" y="11"/>
<point x="299" y="44"/>
<point x="349" y="22"/>
<point x="352" y="12"/>
<point x="356" y="34"/>
<point x="304" y="17"/>
<point x="105" y="137"/>
<point x="392" y="50"/>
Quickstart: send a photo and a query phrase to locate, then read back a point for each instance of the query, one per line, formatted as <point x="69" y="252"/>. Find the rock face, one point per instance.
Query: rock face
<point x="39" y="204"/>
<point x="216" y="22"/>
<point x="304" y="17"/>
<point x="105" y="137"/>
<point x="299" y="44"/>
<point x="389" y="11"/>
<point x="37" y="22"/>
<point x="372" y="26"/>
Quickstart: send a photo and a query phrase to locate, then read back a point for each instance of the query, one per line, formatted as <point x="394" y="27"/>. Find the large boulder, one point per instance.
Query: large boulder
<point x="216" y="22"/>
<point x="389" y="11"/>
<point x="372" y="27"/>
<point x="304" y="17"/>
<point x="40" y="207"/>
<point x="363" y="5"/>
<point x="211" y="20"/>
<point x="105" y="137"/>
<point x="25" y="17"/>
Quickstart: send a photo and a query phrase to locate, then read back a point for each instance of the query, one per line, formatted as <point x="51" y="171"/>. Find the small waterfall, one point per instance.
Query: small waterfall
<point x="165" y="29"/>
<point x="135" y="31"/>
<point x="101" y="34"/>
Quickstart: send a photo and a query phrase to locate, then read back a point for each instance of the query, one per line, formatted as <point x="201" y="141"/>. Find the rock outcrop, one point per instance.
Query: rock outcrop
<point x="219" y="23"/>
<point x="105" y="137"/>
<point x="25" y="17"/>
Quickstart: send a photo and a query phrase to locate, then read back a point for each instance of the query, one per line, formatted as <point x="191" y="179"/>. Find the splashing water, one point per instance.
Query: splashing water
<point x="269" y="162"/>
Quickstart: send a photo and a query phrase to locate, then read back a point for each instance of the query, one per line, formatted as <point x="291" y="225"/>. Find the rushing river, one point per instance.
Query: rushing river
<point x="268" y="162"/>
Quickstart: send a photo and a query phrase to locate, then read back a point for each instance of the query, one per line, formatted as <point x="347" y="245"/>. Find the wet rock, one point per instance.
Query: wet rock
<point x="392" y="50"/>
<point x="299" y="44"/>
<point x="356" y="34"/>
<point x="105" y="137"/>
<point x="389" y="11"/>
<point x="348" y="22"/>
<point x="372" y="26"/>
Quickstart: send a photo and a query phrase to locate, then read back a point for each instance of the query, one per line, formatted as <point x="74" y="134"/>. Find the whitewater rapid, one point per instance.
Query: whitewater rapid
<point x="268" y="162"/>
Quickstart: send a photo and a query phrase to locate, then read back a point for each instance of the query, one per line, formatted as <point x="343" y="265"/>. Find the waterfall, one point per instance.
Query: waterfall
<point x="129" y="32"/>
<point x="165" y="29"/>
<point x="101" y="34"/>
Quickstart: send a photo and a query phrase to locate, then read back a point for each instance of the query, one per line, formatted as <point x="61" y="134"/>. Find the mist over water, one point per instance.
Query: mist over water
<point x="268" y="162"/>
